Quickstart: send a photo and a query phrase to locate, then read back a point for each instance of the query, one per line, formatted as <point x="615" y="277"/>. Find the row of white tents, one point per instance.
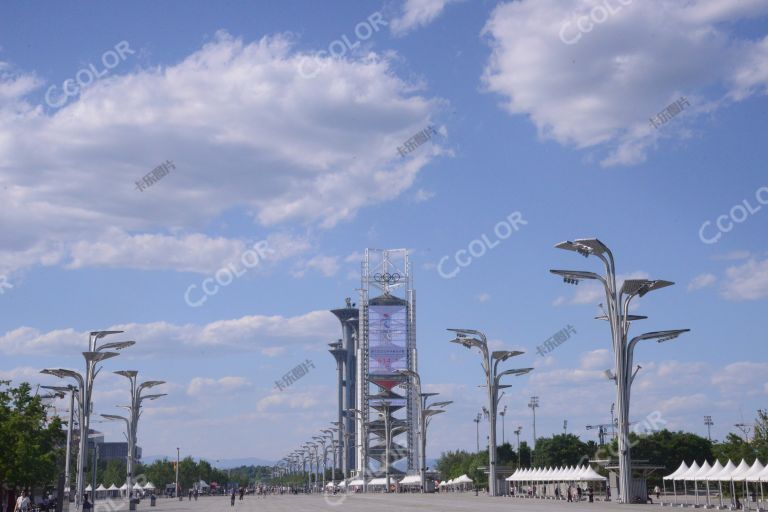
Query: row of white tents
<point x="755" y="473"/>
<point x="408" y="480"/>
<point x="564" y="474"/>
<point x="719" y="473"/>
<point x="458" y="483"/>
<point x="113" y="490"/>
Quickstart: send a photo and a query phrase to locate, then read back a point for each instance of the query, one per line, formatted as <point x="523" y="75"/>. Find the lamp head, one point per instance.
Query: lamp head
<point x="118" y="345"/>
<point x="642" y="286"/>
<point x="503" y="355"/>
<point x="574" y="276"/>
<point x="127" y="373"/>
<point x="100" y="334"/>
<point x="95" y="357"/>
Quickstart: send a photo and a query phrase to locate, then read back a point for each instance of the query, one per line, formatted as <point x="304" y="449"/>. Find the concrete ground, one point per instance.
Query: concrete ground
<point x="450" y="502"/>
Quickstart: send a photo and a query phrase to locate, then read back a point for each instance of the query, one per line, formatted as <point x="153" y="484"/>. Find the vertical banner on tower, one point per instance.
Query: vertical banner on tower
<point x="388" y="335"/>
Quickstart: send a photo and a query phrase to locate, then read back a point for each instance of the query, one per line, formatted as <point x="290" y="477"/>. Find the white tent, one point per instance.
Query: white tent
<point x="754" y="472"/>
<point x="149" y="487"/>
<point x="679" y="471"/>
<point x="88" y="488"/>
<point x="113" y="490"/>
<point x="411" y="480"/>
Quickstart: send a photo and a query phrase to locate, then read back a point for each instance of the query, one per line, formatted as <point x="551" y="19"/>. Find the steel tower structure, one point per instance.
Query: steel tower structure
<point x="387" y="343"/>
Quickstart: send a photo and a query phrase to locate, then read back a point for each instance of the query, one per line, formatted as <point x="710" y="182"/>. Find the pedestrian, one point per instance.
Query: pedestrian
<point x="232" y="498"/>
<point x="591" y="494"/>
<point x="578" y="493"/>
<point x="22" y="502"/>
<point x="570" y="494"/>
<point x="196" y="492"/>
<point x="557" y="492"/>
<point x="657" y="492"/>
<point x="86" y="504"/>
<point x="242" y="493"/>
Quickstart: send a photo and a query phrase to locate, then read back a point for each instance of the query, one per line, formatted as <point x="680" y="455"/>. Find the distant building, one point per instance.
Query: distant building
<point x="107" y="450"/>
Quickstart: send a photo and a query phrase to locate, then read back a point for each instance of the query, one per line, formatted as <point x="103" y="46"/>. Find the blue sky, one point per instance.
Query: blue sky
<point x="541" y="108"/>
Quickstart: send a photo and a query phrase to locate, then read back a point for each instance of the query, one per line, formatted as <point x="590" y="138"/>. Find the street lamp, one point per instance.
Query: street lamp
<point x="517" y="433"/>
<point x="618" y="301"/>
<point x="503" y="425"/>
<point x="134" y="410"/>
<point x="85" y="385"/>
<point x="471" y="338"/>
<point x="423" y="415"/>
<point x="72" y="390"/>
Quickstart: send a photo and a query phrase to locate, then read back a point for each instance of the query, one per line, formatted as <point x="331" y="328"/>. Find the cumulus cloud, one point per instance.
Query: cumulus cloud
<point x="248" y="333"/>
<point x="207" y="387"/>
<point x="701" y="281"/>
<point x="746" y="282"/>
<point x="417" y="13"/>
<point x="326" y="265"/>
<point x="244" y="129"/>
<point x="591" y="76"/>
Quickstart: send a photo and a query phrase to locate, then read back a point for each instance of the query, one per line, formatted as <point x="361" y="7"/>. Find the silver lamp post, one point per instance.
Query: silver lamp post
<point x="362" y="436"/>
<point x="490" y="362"/>
<point x="330" y="432"/>
<point x="85" y="387"/>
<point x="73" y="395"/>
<point x="618" y="301"/>
<point x="424" y="413"/>
<point x="134" y="409"/>
<point x="321" y="442"/>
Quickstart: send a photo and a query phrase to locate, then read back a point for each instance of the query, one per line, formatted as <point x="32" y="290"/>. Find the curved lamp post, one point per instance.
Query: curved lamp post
<point x="618" y="301"/>
<point x="471" y="338"/>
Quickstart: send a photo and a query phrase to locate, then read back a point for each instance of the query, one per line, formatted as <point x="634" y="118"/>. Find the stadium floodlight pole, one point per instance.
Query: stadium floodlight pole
<point x="533" y="404"/>
<point x="72" y="390"/>
<point x="342" y="443"/>
<point x="708" y="422"/>
<point x="618" y="301"/>
<point x="312" y="447"/>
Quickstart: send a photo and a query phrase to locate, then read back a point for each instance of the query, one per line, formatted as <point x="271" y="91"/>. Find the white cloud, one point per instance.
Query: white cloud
<point x="326" y="265"/>
<point x="244" y="129"/>
<point x="207" y="387"/>
<point x="600" y="90"/>
<point x="599" y="359"/>
<point x="417" y="13"/>
<point x="701" y="281"/>
<point x="483" y="297"/>
<point x="253" y="332"/>
<point x="423" y="195"/>
<point x="746" y="282"/>
<point x="286" y="399"/>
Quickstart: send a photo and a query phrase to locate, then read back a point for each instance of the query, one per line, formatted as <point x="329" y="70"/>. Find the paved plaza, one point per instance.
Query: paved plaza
<point x="451" y="502"/>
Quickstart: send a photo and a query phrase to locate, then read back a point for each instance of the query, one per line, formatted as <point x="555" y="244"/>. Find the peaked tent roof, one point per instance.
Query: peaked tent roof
<point x="679" y="471"/>
<point x="754" y="472"/>
<point x="724" y="474"/>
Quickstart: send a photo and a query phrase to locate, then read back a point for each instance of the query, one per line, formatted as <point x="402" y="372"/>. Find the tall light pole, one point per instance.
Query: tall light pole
<point x="471" y="338"/>
<point x="72" y="390"/>
<point x="85" y="387"/>
<point x="178" y="489"/>
<point x="533" y="404"/>
<point x="708" y="422"/>
<point x="503" y="428"/>
<point x="619" y="319"/>
<point x="517" y="433"/>
<point x="321" y="441"/>
<point x="134" y="413"/>
<point x="477" y="429"/>
<point x="424" y="415"/>
<point x="330" y="432"/>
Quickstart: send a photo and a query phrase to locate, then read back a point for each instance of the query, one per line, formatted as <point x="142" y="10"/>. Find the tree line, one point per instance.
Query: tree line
<point x="661" y="448"/>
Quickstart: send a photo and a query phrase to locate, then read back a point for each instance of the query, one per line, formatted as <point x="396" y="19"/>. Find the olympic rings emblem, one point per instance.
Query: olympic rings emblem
<point x="387" y="278"/>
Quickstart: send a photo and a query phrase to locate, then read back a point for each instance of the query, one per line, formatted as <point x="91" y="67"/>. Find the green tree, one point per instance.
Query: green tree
<point x="562" y="450"/>
<point x="31" y="443"/>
